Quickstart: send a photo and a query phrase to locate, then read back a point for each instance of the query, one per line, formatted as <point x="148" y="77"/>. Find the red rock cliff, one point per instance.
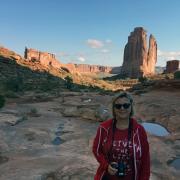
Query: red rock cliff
<point x="48" y="59"/>
<point x="172" y="66"/>
<point x="138" y="59"/>
<point x="44" y="58"/>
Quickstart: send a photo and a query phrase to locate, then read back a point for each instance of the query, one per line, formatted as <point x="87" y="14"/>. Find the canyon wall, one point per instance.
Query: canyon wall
<point x="48" y="59"/>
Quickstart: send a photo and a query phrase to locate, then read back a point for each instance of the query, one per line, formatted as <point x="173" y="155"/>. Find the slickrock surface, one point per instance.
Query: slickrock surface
<point x="52" y="140"/>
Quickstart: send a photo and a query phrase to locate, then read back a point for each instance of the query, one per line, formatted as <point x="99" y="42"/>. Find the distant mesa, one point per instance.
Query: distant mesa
<point x="44" y="58"/>
<point x="172" y="66"/>
<point x="47" y="59"/>
<point x="92" y="68"/>
<point x="139" y="59"/>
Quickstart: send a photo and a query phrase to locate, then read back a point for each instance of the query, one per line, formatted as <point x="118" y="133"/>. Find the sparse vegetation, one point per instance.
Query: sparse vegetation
<point x="2" y="101"/>
<point x="10" y="94"/>
<point x="177" y="75"/>
<point x="142" y="79"/>
<point x="14" y="84"/>
<point x="23" y="118"/>
<point x="33" y="112"/>
<point x="69" y="82"/>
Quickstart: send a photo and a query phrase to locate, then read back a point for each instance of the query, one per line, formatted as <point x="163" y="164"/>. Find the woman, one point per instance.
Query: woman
<point x="121" y="145"/>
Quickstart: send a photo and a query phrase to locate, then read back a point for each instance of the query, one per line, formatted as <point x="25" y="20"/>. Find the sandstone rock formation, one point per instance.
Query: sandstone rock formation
<point x="172" y="66"/>
<point x="48" y="59"/>
<point x="139" y="60"/>
<point x="7" y="53"/>
<point x="92" y="68"/>
<point x="44" y="58"/>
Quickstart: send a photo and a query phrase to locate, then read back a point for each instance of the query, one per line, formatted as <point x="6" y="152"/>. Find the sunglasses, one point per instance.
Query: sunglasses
<point x="119" y="106"/>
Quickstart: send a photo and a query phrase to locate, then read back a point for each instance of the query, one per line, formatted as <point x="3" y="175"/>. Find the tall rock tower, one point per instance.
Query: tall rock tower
<point x="139" y="60"/>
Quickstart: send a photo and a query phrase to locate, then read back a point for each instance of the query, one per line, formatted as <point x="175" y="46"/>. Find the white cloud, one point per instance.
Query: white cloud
<point x="171" y="58"/>
<point x="164" y="56"/>
<point x="94" y="43"/>
<point x="81" y="58"/>
<point x="108" y="41"/>
<point x="62" y="54"/>
<point x="105" y="50"/>
<point x="168" y="55"/>
<point x="159" y="52"/>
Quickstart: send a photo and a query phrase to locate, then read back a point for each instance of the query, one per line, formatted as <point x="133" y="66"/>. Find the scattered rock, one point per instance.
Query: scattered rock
<point x="3" y="159"/>
<point x="57" y="141"/>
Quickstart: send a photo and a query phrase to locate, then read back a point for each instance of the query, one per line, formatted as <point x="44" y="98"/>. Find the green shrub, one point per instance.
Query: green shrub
<point x="69" y="82"/>
<point x="142" y="79"/>
<point x="46" y="86"/>
<point x="14" y="84"/>
<point x="10" y="94"/>
<point x="2" y="101"/>
<point x="177" y="75"/>
<point x="33" y="111"/>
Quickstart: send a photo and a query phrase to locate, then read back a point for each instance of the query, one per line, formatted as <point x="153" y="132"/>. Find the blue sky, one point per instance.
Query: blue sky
<point x="89" y="31"/>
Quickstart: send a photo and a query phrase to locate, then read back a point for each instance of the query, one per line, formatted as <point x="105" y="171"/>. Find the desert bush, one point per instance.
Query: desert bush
<point x="45" y="86"/>
<point x="69" y="82"/>
<point x="2" y="101"/>
<point x="23" y="118"/>
<point x="11" y="94"/>
<point x="33" y="111"/>
<point x="14" y="84"/>
<point x="142" y="79"/>
<point x="177" y="75"/>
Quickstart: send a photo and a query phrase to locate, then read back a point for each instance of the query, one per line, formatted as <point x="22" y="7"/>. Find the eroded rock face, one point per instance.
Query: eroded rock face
<point x="152" y="55"/>
<point x="45" y="58"/>
<point x="92" y="68"/>
<point x="48" y="59"/>
<point x="38" y="60"/>
<point x="139" y="60"/>
<point x="8" y="53"/>
<point x="172" y="66"/>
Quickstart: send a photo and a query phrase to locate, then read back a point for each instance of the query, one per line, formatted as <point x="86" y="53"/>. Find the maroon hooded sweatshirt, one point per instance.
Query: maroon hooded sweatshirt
<point x="102" y="144"/>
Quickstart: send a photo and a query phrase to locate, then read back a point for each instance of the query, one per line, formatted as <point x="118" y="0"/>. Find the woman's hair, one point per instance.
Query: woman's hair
<point x="122" y="95"/>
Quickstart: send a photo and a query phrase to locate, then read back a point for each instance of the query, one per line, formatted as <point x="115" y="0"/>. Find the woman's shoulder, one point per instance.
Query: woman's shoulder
<point x="106" y="124"/>
<point x="137" y="125"/>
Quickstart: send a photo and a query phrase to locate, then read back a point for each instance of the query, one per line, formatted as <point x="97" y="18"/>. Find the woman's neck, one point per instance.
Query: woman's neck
<point x="122" y="123"/>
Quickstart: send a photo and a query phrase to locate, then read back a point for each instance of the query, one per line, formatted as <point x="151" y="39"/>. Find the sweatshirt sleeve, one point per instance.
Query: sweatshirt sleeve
<point x="145" y="165"/>
<point x="97" y="149"/>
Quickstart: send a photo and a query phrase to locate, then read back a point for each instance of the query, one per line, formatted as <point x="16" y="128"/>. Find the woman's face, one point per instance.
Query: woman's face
<point x="122" y="108"/>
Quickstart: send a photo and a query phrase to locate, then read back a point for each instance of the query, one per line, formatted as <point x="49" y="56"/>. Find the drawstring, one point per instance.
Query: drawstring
<point x="130" y="129"/>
